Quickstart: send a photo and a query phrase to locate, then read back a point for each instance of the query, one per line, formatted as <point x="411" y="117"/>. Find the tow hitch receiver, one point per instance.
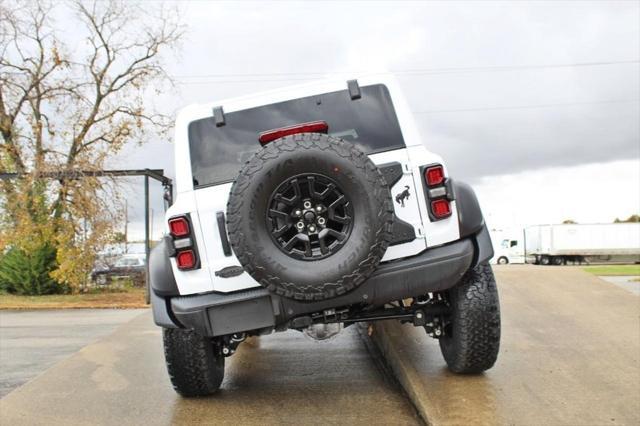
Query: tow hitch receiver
<point x="231" y="342"/>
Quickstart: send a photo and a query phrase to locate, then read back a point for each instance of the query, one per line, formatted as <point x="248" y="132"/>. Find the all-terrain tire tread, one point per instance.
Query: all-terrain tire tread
<point x="194" y="363"/>
<point x="475" y="343"/>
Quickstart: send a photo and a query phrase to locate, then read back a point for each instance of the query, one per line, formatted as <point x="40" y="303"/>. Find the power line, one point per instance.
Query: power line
<point x="245" y="81"/>
<point x="417" y="71"/>
<point x="516" y="67"/>
<point x="297" y="76"/>
<point x="560" y="104"/>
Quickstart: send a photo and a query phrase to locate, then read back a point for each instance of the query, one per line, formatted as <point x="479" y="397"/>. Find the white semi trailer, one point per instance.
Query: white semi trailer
<point x="508" y="247"/>
<point x="559" y="244"/>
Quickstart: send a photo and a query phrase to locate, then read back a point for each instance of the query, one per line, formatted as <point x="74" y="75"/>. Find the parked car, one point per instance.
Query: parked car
<point x="311" y="206"/>
<point x="128" y="266"/>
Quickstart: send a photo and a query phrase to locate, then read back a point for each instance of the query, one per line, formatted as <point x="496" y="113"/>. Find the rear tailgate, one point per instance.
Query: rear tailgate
<point x="217" y="152"/>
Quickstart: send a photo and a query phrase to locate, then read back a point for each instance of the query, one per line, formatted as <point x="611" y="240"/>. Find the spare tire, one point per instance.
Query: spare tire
<point x="310" y="216"/>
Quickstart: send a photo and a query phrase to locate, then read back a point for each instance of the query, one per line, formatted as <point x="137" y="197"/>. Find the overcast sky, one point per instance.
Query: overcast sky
<point x="536" y="104"/>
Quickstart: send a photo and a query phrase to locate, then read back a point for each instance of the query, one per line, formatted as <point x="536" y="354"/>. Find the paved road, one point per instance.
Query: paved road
<point x="33" y="341"/>
<point x="629" y="283"/>
<point x="278" y="379"/>
<point x="570" y="355"/>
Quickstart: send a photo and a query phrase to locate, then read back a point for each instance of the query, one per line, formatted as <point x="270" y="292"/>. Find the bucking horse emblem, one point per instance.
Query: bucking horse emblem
<point x="404" y="195"/>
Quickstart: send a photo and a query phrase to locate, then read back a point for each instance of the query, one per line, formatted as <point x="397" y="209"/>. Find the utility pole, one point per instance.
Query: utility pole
<point x="151" y="227"/>
<point x="147" y="248"/>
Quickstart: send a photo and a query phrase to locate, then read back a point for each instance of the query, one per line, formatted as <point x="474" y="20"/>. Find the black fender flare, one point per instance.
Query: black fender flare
<point x="163" y="285"/>
<point x="161" y="275"/>
<point x="471" y="221"/>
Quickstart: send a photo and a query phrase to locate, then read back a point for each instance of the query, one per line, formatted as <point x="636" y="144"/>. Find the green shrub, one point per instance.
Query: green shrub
<point x="28" y="273"/>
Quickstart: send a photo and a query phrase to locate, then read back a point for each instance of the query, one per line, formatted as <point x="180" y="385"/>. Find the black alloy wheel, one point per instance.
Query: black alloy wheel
<point x="309" y="216"/>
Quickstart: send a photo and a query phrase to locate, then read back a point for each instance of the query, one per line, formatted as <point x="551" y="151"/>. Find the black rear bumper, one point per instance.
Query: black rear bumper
<point x="435" y="269"/>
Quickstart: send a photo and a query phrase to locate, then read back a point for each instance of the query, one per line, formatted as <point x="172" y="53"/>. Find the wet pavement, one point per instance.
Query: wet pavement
<point x="283" y="378"/>
<point x="570" y="355"/>
<point x="33" y="341"/>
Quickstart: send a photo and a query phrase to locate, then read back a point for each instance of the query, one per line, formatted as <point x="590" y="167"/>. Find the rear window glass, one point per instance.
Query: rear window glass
<point x="217" y="153"/>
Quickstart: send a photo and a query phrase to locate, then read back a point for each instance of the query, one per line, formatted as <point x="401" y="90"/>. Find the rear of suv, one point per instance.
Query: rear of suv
<point x="314" y="208"/>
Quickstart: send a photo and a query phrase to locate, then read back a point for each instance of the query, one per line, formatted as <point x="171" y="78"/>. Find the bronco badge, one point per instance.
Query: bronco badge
<point x="404" y="195"/>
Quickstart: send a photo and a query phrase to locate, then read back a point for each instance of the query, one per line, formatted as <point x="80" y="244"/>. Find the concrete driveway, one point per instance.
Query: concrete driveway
<point x="570" y="356"/>
<point x="33" y="341"/>
<point x="278" y="379"/>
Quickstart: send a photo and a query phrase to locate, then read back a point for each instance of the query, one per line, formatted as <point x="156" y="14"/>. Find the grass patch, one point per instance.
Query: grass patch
<point x="613" y="270"/>
<point x="124" y="298"/>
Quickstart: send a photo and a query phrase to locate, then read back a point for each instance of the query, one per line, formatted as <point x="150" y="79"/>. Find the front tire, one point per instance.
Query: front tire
<point x="502" y="260"/>
<point x="195" y="364"/>
<point x="472" y="337"/>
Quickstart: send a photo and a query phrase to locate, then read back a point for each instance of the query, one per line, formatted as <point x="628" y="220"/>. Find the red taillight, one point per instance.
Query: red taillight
<point x="179" y="227"/>
<point x="312" y="127"/>
<point x="182" y="243"/>
<point x="434" y="175"/>
<point x="186" y="259"/>
<point x="440" y="208"/>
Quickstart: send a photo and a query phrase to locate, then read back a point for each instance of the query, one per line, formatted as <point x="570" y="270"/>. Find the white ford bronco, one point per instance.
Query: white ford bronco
<point x="313" y="208"/>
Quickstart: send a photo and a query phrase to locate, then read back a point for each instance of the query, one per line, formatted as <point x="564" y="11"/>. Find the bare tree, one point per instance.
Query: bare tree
<point x="70" y="99"/>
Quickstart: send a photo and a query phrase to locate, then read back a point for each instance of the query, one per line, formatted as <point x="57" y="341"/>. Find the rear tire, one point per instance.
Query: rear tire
<point x="195" y="364"/>
<point x="472" y="338"/>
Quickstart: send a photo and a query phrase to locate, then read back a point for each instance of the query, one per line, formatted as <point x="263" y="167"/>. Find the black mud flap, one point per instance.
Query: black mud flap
<point x="220" y="314"/>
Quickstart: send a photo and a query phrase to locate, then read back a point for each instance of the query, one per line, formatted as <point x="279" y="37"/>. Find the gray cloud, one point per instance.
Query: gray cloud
<point x="493" y="142"/>
<point x="239" y="48"/>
